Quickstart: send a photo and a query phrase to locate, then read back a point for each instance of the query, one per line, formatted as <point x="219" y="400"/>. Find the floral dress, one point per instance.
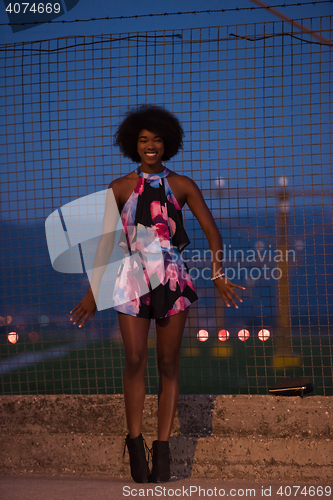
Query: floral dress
<point x="153" y="280"/>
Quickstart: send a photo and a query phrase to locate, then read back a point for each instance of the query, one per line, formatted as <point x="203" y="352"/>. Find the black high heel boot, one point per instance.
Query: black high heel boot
<point x="138" y="460"/>
<point x="161" y="462"/>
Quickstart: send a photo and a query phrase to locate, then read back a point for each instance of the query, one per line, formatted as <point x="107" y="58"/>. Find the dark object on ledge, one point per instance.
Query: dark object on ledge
<point x="292" y="387"/>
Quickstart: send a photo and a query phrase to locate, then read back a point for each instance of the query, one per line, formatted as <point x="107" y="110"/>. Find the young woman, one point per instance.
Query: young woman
<point x="150" y="200"/>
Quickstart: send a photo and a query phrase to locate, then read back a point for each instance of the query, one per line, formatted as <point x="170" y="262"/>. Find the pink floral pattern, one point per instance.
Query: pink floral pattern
<point x="156" y="282"/>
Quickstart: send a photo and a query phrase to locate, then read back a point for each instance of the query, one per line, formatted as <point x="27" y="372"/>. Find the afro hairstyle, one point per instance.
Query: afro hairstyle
<point x="154" y="119"/>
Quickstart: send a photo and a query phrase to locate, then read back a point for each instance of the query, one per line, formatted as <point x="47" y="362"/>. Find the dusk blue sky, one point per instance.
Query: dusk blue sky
<point x="248" y="138"/>
<point x="86" y="9"/>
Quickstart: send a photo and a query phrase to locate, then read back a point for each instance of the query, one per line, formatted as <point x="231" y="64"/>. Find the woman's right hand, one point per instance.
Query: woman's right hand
<point x="84" y="309"/>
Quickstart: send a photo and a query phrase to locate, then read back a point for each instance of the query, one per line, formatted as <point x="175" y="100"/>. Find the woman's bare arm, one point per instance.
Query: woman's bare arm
<point x="87" y="306"/>
<point x="198" y="207"/>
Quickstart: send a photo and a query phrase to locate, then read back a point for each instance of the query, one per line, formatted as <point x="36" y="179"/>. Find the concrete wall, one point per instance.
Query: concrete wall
<point x="248" y="437"/>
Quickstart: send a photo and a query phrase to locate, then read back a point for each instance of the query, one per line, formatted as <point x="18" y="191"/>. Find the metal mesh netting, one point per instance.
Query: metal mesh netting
<point x="254" y="101"/>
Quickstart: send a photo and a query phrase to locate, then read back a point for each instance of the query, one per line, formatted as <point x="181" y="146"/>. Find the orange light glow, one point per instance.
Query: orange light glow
<point x="12" y="337"/>
<point x="243" y="334"/>
<point x="5" y="320"/>
<point x="223" y="335"/>
<point x="264" y="334"/>
<point x="202" y="335"/>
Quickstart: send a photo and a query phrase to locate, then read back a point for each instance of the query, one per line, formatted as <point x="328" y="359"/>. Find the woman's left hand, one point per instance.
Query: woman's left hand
<point x="225" y="289"/>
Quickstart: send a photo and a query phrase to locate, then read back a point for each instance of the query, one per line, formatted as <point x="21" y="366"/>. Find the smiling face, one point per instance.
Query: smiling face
<point x="150" y="149"/>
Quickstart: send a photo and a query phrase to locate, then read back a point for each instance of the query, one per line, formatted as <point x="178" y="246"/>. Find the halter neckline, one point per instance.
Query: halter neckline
<point x="152" y="177"/>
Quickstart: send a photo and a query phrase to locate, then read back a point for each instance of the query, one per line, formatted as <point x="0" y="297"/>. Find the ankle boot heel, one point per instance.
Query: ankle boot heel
<point x="138" y="460"/>
<point x="161" y="462"/>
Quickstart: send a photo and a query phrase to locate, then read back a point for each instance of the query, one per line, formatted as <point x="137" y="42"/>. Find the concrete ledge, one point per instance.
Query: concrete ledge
<point x="248" y="437"/>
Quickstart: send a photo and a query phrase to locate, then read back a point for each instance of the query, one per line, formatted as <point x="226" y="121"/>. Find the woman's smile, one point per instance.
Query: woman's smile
<point x="150" y="149"/>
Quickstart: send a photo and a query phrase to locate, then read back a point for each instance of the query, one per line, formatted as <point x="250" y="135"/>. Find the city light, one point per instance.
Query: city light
<point x="219" y="182"/>
<point x="12" y="337"/>
<point x="223" y="335"/>
<point x="44" y="320"/>
<point x="5" y="320"/>
<point x="264" y="334"/>
<point x="202" y="335"/>
<point x="243" y="334"/>
<point x="283" y="181"/>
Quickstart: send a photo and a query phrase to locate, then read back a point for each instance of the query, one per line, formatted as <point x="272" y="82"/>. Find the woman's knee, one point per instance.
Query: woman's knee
<point x="136" y="363"/>
<point x="169" y="365"/>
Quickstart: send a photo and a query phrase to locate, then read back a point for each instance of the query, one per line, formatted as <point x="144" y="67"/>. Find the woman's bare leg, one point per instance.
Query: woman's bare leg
<point x="169" y="338"/>
<point x="134" y="332"/>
